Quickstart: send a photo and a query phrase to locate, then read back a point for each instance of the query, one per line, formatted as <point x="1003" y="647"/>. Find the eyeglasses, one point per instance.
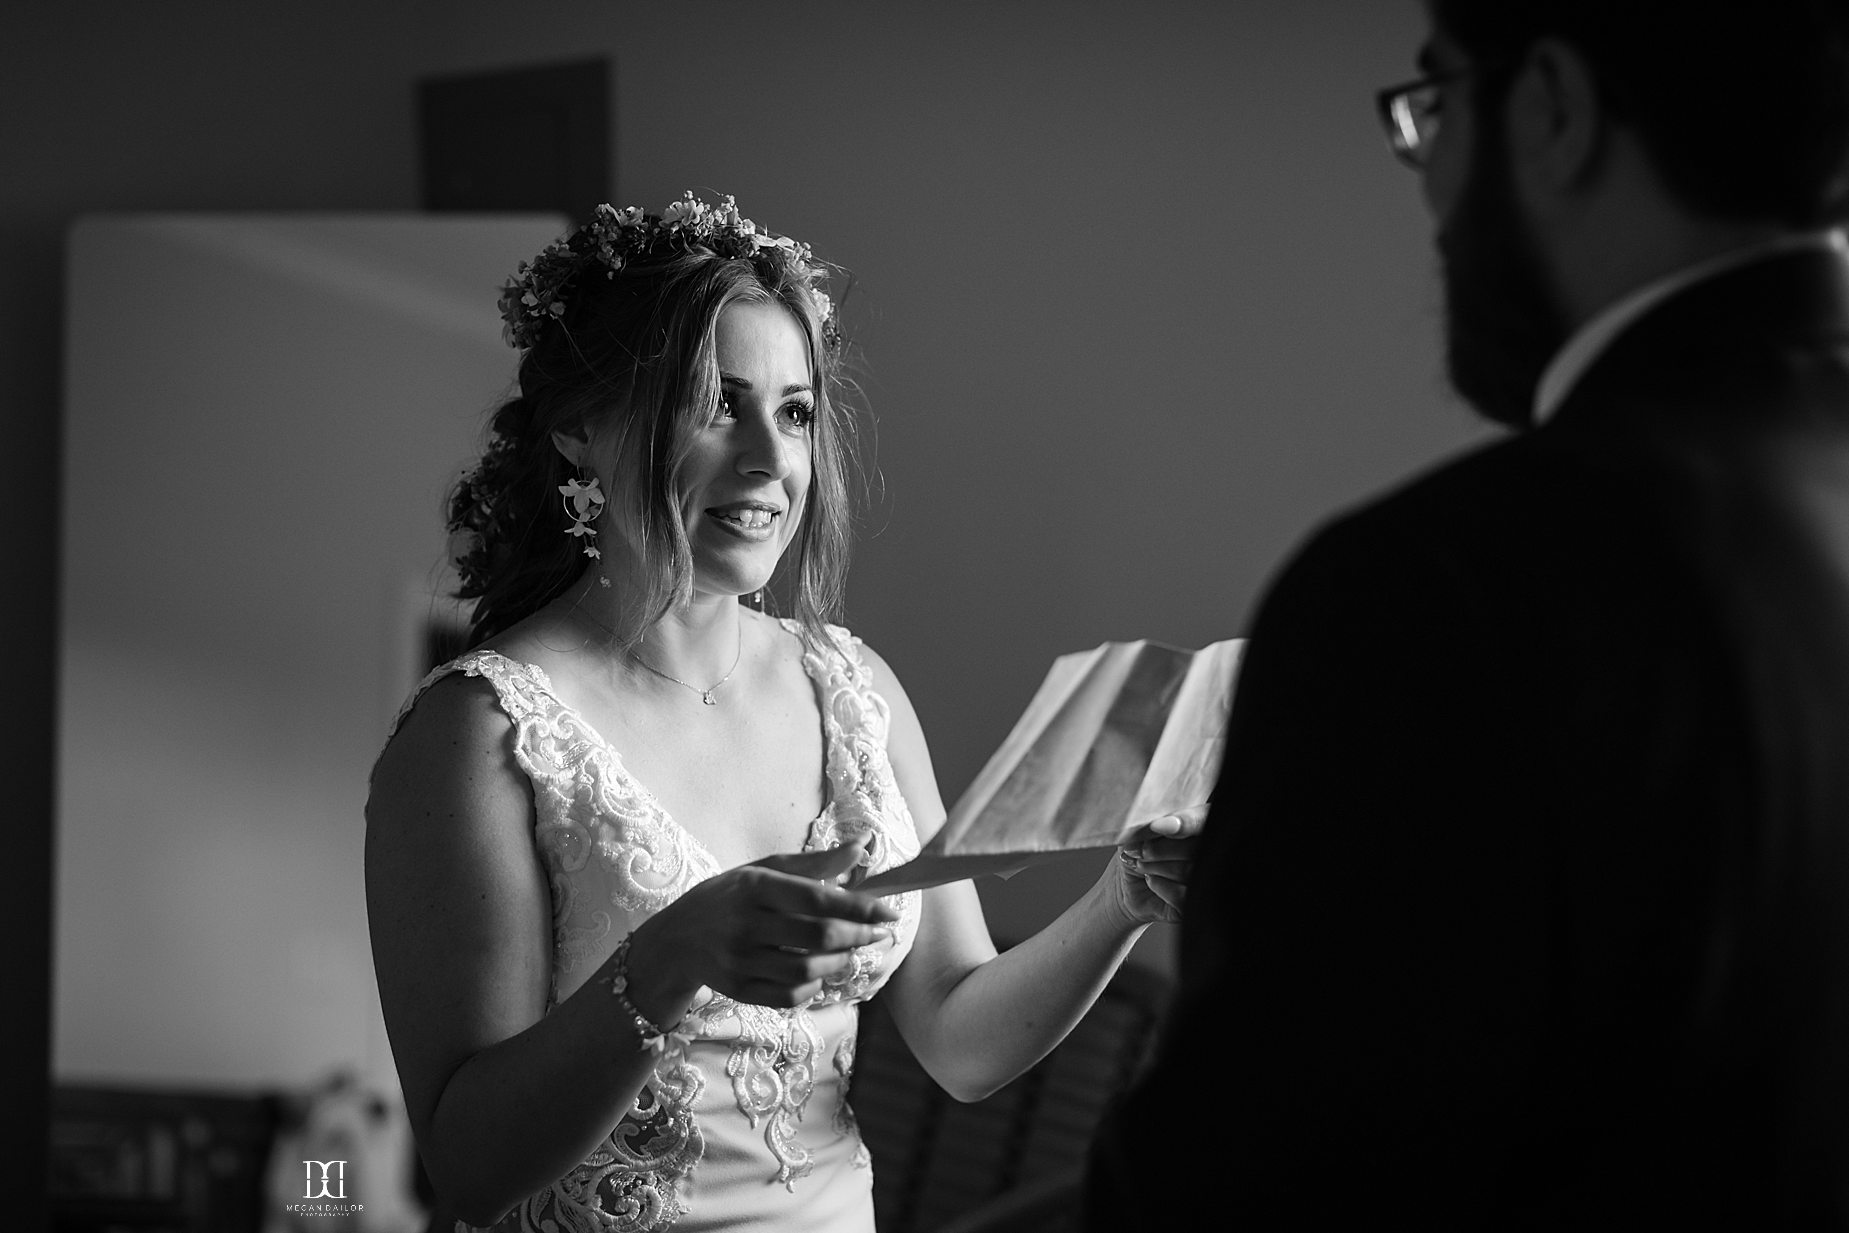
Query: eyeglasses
<point x="1410" y="113"/>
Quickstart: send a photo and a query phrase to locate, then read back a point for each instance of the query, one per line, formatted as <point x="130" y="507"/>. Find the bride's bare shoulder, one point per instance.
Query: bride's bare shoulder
<point x="452" y="750"/>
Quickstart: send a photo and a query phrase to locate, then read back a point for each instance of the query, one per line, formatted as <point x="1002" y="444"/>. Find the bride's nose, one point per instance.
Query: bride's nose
<point x="763" y="451"/>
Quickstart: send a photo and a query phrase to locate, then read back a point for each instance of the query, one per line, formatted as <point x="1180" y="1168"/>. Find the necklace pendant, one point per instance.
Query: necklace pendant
<point x="706" y="696"/>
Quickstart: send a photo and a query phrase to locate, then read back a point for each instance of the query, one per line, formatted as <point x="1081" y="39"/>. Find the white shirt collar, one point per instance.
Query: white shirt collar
<point x="1571" y="361"/>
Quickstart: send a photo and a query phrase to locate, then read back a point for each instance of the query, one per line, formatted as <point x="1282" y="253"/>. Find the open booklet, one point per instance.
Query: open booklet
<point x="1115" y="738"/>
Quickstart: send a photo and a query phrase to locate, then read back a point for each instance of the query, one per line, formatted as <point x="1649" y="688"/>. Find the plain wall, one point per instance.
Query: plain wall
<point x="1141" y="293"/>
<point x="266" y="393"/>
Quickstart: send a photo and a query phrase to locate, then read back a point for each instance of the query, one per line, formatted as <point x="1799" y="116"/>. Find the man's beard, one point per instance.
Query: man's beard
<point x="1501" y="323"/>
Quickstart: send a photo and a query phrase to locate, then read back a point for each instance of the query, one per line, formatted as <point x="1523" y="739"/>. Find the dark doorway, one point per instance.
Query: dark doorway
<point x="529" y="139"/>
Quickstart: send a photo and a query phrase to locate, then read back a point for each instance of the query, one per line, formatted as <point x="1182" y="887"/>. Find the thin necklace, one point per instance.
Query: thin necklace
<point x="706" y="695"/>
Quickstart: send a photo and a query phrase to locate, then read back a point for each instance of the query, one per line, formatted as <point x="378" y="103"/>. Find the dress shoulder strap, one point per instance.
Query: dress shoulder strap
<point x="838" y="647"/>
<point x="523" y="689"/>
<point x="851" y="706"/>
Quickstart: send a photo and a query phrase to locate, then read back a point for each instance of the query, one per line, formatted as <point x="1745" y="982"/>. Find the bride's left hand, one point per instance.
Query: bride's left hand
<point x="1153" y="865"/>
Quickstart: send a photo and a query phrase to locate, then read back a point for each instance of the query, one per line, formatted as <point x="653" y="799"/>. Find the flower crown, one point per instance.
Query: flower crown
<point x="613" y="238"/>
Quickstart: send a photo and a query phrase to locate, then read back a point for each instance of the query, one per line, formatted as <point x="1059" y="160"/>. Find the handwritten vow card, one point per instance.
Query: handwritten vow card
<point x="1115" y="738"/>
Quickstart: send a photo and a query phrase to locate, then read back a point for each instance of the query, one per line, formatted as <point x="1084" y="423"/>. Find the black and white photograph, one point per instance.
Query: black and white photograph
<point x="935" y="616"/>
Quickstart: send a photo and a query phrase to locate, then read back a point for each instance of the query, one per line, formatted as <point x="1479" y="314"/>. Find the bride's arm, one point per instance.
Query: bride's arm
<point x="504" y="1099"/>
<point x="976" y="1019"/>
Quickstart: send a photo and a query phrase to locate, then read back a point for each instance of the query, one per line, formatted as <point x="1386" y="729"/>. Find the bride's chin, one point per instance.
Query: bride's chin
<point x="731" y="580"/>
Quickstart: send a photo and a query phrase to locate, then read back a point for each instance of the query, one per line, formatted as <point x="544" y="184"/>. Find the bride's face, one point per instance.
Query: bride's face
<point x="747" y="473"/>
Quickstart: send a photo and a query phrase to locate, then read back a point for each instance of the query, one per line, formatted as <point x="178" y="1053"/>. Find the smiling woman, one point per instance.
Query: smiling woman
<point x="571" y="963"/>
<point x="619" y="387"/>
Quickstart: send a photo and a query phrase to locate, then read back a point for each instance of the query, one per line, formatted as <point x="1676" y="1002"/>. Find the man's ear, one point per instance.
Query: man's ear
<point x="1556" y="121"/>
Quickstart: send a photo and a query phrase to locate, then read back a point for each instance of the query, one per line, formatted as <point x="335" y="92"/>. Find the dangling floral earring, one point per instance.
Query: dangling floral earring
<point x="757" y="600"/>
<point x="584" y="501"/>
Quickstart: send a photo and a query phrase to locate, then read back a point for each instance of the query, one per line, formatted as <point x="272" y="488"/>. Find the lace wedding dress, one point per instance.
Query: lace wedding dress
<point x="746" y="1125"/>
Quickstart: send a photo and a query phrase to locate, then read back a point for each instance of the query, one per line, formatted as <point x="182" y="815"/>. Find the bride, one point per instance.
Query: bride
<point x="611" y="850"/>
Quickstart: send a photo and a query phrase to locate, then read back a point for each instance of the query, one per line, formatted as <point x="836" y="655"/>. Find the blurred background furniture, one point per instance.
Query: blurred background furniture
<point x="1010" y="1162"/>
<point x="145" y="1159"/>
<point x="158" y="1160"/>
<point x="1051" y="1204"/>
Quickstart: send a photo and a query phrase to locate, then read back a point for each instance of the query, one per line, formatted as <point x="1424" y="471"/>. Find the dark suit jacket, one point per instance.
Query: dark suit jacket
<point x="1524" y="901"/>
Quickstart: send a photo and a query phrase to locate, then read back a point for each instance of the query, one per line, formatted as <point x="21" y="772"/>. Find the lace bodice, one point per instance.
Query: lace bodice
<point x="614" y="857"/>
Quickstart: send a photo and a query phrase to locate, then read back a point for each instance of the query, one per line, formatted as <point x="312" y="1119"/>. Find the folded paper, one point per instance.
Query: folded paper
<point x="1114" y="738"/>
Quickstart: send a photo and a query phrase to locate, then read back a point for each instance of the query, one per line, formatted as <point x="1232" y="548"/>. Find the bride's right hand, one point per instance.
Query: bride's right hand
<point x="767" y="933"/>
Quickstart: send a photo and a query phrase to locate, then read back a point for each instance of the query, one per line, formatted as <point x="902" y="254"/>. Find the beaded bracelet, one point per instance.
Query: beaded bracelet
<point x="653" y="1038"/>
